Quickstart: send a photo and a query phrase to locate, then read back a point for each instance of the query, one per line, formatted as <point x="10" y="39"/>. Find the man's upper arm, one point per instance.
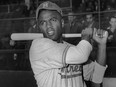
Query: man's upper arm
<point x="79" y="54"/>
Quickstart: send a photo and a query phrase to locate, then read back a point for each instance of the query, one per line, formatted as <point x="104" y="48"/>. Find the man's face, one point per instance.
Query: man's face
<point x="50" y="23"/>
<point x="89" y="18"/>
<point x="71" y="17"/>
<point x="113" y="22"/>
<point x="32" y="22"/>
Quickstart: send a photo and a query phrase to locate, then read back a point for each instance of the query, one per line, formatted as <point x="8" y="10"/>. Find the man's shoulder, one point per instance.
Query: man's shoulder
<point x="41" y="41"/>
<point x="41" y="44"/>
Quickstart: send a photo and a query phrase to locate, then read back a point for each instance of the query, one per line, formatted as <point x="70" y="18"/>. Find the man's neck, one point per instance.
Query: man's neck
<point x="60" y="40"/>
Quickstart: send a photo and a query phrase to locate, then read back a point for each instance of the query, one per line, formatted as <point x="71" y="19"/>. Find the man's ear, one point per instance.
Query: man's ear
<point x="38" y="27"/>
<point x="62" y="23"/>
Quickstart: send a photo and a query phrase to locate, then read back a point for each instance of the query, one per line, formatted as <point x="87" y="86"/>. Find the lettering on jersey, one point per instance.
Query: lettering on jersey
<point x="71" y="71"/>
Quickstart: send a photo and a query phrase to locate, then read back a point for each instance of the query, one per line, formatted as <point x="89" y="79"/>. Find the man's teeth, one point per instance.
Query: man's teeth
<point x="51" y="32"/>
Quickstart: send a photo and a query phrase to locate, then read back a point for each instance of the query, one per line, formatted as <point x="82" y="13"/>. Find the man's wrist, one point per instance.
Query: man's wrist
<point x="87" y="39"/>
<point x="102" y="45"/>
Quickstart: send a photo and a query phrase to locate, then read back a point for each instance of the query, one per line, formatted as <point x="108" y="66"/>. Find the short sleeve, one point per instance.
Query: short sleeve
<point x="94" y="72"/>
<point x="98" y="73"/>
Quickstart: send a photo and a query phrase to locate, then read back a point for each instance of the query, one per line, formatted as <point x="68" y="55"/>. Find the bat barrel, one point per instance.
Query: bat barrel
<point x="32" y="36"/>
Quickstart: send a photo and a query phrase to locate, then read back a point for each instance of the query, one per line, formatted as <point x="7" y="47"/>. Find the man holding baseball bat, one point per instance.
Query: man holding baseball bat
<point x="56" y="63"/>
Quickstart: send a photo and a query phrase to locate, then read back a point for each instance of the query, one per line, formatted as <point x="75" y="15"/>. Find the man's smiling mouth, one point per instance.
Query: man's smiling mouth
<point x="50" y="32"/>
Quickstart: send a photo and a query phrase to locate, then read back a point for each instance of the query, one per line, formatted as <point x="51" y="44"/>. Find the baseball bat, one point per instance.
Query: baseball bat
<point x="32" y="36"/>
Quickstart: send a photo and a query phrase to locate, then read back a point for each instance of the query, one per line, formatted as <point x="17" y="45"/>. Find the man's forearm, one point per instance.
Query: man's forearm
<point x="101" y="57"/>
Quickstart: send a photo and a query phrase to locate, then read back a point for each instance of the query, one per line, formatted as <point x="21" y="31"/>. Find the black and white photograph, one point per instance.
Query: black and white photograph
<point x="57" y="43"/>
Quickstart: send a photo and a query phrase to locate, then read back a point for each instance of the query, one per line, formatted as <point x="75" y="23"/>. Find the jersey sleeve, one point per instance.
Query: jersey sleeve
<point x="80" y="53"/>
<point x="94" y="72"/>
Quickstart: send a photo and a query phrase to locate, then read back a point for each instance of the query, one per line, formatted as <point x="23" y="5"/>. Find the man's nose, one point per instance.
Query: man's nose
<point x="49" y="24"/>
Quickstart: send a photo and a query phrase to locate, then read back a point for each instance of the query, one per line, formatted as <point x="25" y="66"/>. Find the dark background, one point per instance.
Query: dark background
<point x="14" y="18"/>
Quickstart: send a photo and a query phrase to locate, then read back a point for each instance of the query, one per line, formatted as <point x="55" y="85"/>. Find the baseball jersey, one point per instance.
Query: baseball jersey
<point x="59" y="64"/>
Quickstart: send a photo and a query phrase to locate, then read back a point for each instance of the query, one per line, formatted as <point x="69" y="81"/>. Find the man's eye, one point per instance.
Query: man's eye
<point x="41" y="23"/>
<point x="53" y="19"/>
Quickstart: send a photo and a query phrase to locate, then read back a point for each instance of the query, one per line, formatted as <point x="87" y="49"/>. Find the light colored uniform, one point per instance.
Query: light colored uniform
<point x="48" y="60"/>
